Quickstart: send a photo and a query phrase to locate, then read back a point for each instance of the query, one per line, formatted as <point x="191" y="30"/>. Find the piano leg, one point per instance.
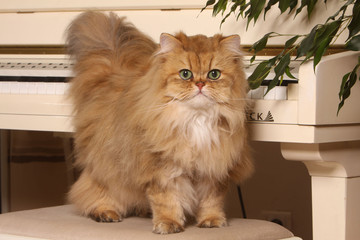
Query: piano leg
<point x="4" y="170"/>
<point x="335" y="180"/>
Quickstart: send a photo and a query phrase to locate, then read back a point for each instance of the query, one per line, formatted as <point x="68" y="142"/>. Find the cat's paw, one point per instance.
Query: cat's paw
<point x="106" y="216"/>
<point x="167" y="227"/>
<point x="213" y="222"/>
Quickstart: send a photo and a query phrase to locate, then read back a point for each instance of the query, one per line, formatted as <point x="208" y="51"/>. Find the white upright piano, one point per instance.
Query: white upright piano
<point x="302" y="117"/>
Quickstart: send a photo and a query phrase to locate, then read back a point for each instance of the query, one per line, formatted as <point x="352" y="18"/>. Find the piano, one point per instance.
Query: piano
<point x="301" y="116"/>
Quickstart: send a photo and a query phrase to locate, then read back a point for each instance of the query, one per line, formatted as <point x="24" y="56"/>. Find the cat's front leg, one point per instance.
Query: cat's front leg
<point x="168" y="214"/>
<point x="211" y="206"/>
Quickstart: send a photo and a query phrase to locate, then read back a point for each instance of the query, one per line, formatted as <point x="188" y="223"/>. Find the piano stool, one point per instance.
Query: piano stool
<point x="63" y="223"/>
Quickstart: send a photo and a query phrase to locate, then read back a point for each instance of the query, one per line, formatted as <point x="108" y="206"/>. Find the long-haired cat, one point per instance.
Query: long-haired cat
<point x="160" y="129"/>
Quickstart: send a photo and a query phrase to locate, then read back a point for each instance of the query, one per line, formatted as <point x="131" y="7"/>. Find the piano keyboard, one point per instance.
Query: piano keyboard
<point x="49" y="76"/>
<point x="43" y="76"/>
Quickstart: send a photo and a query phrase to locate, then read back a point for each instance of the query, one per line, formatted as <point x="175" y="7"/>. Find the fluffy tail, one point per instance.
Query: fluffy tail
<point x="108" y="36"/>
<point x="108" y="53"/>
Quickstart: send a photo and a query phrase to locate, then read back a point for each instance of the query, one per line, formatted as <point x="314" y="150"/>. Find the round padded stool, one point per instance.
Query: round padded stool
<point x="63" y="223"/>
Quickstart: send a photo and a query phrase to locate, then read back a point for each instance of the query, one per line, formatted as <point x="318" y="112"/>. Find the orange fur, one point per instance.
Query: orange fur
<point x="145" y="139"/>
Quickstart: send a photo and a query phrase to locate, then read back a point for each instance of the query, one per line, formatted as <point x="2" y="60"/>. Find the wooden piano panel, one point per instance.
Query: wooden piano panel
<point x="71" y="5"/>
<point x="318" y="91"/>
<point x="36" y="22"/>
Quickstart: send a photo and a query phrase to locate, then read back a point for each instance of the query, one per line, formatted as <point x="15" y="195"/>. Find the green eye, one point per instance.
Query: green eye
<point x="214" y="74"/>
<point x="185" y="74"/>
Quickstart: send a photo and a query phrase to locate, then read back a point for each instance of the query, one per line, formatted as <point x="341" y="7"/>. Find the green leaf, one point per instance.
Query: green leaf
<point x="342" y="9"/>
<point x="354" y="26"/>
<point x="274" y="59"/>
<point x="303" y="4"/>
<point x="310" y="7"/>
<point x="288" y="73"/>
<point x="260" y="44"/>
<point x="320" y="52"/>
<point x="273" y="83"/>
<point x="279" y="71"/>
<point x="269" y="5"/>
<point x="344" y="79"/>
<point x="281" y="80"/>
<point x="310" y="4"/>
<point x="208" y="3"/>
<point x="232" y="10"/>
<point x="283" y="5"/>
<point x="307" y="43"/>
<point x="348" y="81"/>
<point x="317" y="41"/>
<point x="281" y="66"/>
<point x="252" y="59"/>
<point x="354" y="43"/>
<point x="243" y="7"/>
<point x="220" y="6"/>
<point x="259" y="74"/>
<point x="293" y="4"/>
<point x="291" y="41"/>
<point x="323" y="38"/>
<point x="256" y="7"/>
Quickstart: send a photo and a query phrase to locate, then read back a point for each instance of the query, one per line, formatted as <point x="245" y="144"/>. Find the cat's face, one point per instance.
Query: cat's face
<point x="200" y="71"/>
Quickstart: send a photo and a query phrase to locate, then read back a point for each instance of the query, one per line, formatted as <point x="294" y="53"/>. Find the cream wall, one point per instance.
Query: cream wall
<point x="34" y="22"/>
<point x="279" y="185"/>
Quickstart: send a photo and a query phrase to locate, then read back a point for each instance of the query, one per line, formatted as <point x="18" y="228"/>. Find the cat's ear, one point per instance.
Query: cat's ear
<point x="168" y="43"/>
<point x="232" y="43"/>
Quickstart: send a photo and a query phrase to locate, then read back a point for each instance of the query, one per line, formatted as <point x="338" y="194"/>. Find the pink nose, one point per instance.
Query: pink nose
<point x="200" y="85"/>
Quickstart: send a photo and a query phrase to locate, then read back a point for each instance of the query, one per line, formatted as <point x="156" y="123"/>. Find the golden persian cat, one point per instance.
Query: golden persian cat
<point x="160" y="128"/>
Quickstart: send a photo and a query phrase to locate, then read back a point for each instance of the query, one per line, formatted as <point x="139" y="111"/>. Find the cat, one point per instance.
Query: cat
<point x="159" y="128"/>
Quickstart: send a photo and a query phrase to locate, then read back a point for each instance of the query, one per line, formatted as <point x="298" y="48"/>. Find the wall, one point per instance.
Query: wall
<point x="279" y="185"/>
<point x="47" y="26"/>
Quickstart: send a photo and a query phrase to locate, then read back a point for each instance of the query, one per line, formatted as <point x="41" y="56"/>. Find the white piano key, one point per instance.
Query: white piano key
<point x="50" y="88"/>
<point x="66" y="88"/>
<point x="61" y="88"/>
<point x="14" y="88"/>
<point x="270" y="95"/>
<point x="32" y="88"/>
<point x="4" y="87"/>
<point x="258" y="93"/>
<point x="280" y="92"/>
<point x="24" y="87"/>
<point x="40" y="88"/>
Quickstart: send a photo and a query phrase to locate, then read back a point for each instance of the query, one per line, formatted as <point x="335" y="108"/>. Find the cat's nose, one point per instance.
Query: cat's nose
<point x="200" y="84"/>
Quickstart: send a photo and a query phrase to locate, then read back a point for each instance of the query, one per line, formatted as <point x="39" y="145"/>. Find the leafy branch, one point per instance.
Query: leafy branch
<point x="308" y="46"/>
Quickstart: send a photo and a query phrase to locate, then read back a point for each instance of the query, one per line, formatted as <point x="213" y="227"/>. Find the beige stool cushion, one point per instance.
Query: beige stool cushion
<point x="62" y="223"/>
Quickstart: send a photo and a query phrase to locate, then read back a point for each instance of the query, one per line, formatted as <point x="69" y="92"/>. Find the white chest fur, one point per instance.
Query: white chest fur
<point x="200" y="127"/>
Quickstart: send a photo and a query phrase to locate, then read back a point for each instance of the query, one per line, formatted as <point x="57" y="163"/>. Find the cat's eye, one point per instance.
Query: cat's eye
<point x="185" y="74"/>
<point x="214" y="74"/>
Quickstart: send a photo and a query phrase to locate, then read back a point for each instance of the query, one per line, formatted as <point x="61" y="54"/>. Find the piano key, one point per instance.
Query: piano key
<point x="24" y="88"/>
<point x="4" y="87"/>
<point x="281" y="93"/>
<point x="258" y="93"/>
<point x="31" y="88"/>
<point x="40" y="88"/>
<point x="14" y="88"/>
<point x="61" y="88"/>
<point x="50" y="88"/>
<point x="270" y="95"/>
